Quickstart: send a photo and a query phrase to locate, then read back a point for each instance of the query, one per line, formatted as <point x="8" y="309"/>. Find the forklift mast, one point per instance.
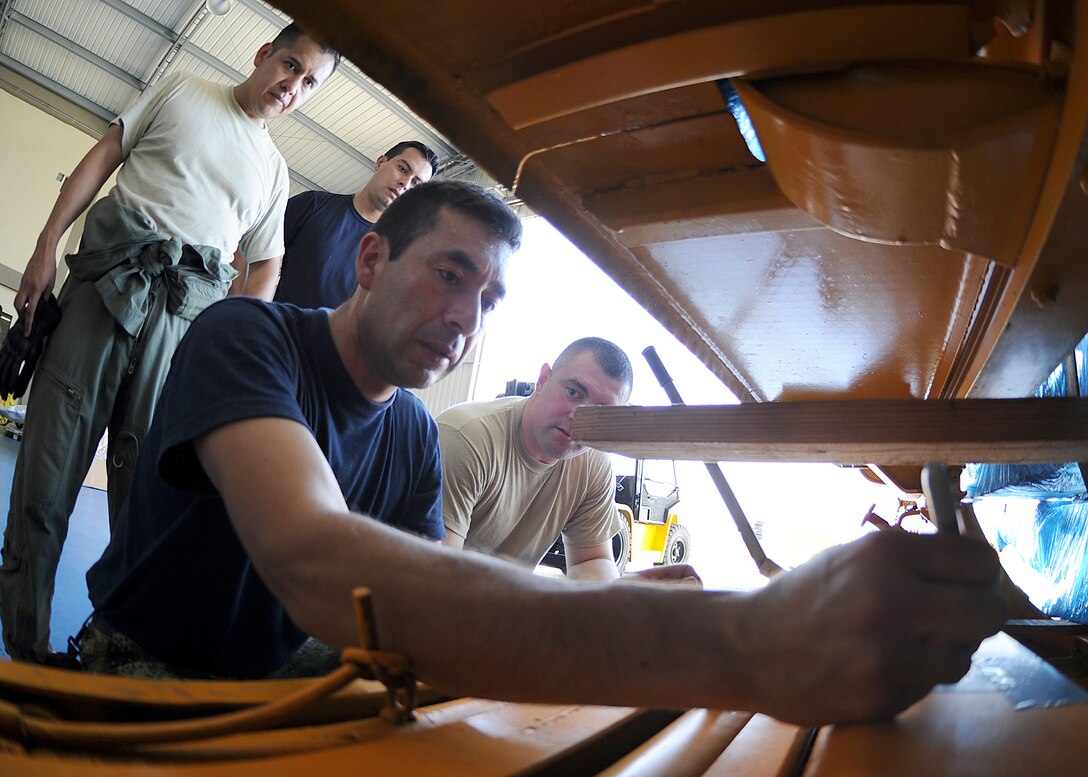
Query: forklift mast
<point x="629" y="489"/>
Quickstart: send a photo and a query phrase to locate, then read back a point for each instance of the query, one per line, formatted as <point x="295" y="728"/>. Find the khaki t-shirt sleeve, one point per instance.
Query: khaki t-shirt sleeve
<point x="596" y="519"/>
<point x="463" y="478"/>
<point x="137" y="117"/>
<point x="265" y="239"/>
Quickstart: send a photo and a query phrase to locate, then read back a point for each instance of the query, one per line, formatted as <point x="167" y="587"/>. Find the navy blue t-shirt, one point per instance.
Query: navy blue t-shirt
<point x="322" y="233"/>
<point x="175" y="577"/>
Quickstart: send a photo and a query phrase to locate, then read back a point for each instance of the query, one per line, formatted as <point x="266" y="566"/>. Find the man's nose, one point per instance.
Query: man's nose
<point x="292" y="83"/>
<point x="466" y="316"/>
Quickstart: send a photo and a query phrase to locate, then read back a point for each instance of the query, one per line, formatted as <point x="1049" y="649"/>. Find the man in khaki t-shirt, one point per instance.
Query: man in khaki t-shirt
<point x="202" y="186"/>
<point x="514" y="479"/>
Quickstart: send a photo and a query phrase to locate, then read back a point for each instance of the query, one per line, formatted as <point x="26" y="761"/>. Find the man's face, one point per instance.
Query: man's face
<point x="283" y="79"/>
<point x="549" y="414"/>
<point x="393" y="177"/>
<point x="424" y="310"/>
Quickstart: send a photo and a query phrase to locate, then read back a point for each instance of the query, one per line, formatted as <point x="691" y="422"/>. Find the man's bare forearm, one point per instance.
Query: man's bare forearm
<point x="260" y="279"/>
<point x="476" y="625"/>
<point x="813" y="649"/>
<point x="858" y="633"/>
<point x="598" y="569"/>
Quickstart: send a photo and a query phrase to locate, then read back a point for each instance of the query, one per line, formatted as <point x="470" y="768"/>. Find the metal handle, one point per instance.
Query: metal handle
<point x="766" y="567"/>
<point x="941" y="500"/>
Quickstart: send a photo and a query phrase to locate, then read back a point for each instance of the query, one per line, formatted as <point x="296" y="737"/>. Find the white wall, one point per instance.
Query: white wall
<point x="35" y="148"/>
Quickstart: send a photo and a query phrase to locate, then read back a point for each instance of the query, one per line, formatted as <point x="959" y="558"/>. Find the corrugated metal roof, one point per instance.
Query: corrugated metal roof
<point x="100" y="54"/>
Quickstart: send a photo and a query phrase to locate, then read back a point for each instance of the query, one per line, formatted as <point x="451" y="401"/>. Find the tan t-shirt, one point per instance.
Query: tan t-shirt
<point x="502" y="500"/>
<point x="201" y="170"/>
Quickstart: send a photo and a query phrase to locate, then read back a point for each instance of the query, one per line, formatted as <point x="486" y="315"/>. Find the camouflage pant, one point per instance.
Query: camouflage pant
<point x="105" y="651"/>
<point x="89" y="377"/>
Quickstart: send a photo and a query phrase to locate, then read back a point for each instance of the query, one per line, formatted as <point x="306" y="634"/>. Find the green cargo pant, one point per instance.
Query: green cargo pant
<point x="92" y="376"/>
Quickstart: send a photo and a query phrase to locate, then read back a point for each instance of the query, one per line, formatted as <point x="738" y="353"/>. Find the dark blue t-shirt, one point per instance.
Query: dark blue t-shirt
<point x="322" y="233"/>
<point x="175" y="577"/>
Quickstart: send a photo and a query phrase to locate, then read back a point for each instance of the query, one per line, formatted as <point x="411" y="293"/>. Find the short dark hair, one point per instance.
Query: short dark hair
<point x="290" y="34"/>
<point x="611" y="358"/>
<point x="415" y="213"/>
<point x="422" y="148"/>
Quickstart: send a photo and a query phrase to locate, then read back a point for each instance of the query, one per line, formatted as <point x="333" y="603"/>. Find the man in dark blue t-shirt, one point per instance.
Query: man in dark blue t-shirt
<point x="176" y="578"/>
<point x="241" y="541"/>
<point x="322" y="231"/>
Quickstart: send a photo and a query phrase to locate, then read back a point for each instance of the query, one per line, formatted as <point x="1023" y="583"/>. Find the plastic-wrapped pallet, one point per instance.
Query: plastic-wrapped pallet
<point x="1053" y="540"/>
<point x="1054" y="543"/>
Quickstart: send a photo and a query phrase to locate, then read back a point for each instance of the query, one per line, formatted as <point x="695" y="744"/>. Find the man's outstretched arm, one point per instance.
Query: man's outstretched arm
<point x="859" y="633"/>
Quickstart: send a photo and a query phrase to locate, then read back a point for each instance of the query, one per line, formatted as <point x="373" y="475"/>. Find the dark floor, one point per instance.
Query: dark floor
<point x="88" y="532"/>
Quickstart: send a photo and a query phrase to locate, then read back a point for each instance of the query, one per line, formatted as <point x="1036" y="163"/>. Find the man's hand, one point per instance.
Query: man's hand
<point x="39" y="277"/>
<point x="683" y="574"/>
<point x="863" y="631"/>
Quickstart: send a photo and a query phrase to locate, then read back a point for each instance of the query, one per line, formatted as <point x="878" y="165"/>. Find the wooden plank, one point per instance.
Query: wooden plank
<point x="1034" y="626"/>
<point x="1012" y="431"/>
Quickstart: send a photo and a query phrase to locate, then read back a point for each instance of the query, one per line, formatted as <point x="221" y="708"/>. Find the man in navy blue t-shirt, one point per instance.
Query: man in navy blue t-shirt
<point x="242" y="536"/>
<point x="177" y="578"/>
<point x="322" y="231"/>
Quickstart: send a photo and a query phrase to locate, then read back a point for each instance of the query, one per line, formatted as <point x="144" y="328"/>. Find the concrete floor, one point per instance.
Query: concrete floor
<point x="88" y="533"/>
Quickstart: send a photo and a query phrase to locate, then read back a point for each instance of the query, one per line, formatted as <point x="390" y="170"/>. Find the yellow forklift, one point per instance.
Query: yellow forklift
<point x="650" y="519"/>
<point x="649" y="522"/>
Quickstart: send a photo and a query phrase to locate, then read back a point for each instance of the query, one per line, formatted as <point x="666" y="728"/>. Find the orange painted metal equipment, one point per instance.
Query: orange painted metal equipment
<point x="917" y="236"/>
<point x="915" y="232"/>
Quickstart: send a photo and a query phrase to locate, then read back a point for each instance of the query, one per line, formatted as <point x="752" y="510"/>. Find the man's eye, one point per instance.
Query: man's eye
<point x="447" y="276"/>
<point x="488" y="305"/>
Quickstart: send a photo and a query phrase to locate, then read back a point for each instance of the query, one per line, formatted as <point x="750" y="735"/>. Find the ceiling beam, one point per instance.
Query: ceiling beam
<point x="180" y="41"/>
<point x="142" y="19"/>
<point x="303" y="181"/>
<point x="66" y="43"/>
<point x="60" y="90"/>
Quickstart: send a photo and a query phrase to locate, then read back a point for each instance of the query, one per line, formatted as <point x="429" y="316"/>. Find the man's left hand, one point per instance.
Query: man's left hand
<point x="683" y="574"/>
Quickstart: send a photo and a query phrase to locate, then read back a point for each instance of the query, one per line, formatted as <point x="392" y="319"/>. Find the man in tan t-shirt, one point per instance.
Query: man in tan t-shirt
<point x="513" y="479"/>
<point x="201" y="184"/>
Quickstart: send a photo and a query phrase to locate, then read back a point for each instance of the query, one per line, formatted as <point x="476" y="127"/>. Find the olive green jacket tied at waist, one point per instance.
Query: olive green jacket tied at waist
<point x="123" y="255"/>
<point x="128" y="301"/>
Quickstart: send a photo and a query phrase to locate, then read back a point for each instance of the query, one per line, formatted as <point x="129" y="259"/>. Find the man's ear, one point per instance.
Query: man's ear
<point x="545" y="371"/>
<point x="262" y="54"/>
<point x="379" y="162"/>
<point x="372" y="251"/>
